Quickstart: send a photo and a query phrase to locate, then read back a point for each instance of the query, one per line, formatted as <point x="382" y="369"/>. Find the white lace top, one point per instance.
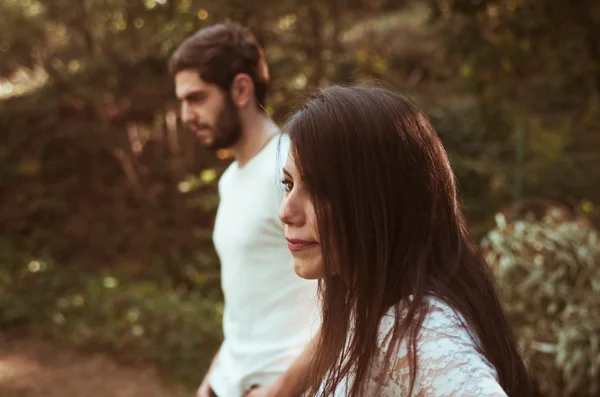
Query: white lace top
<point x="449" y="364"/>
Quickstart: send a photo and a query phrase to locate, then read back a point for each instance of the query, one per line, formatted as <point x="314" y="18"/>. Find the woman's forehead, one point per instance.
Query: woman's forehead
<point x="290" y="163"/>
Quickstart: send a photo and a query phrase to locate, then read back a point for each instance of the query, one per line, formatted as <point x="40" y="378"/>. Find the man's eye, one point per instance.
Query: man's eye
<point x="197" y="98"/>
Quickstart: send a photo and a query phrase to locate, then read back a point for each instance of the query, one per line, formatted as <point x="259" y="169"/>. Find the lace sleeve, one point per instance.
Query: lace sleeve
<point x="449" y="364"/>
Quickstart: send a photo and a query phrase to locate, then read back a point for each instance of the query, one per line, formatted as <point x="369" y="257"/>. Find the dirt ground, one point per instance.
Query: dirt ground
<point x="32" y="368"/>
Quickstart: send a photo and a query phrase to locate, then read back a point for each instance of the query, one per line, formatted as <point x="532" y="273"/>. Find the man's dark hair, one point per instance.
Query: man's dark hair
<point x="220" y="52"/>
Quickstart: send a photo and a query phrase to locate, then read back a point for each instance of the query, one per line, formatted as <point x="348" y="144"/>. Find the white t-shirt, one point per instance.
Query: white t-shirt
<point x="270" y="312"/>
<point x="449" y="363"/>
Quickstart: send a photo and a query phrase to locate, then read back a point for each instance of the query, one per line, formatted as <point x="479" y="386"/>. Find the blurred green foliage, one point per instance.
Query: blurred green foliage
<point x="92" y="145"/>
<point x="548" y="270"/>
<point x="98" y="177"/>
<point x="138" y="319"/>
<point x="534" y="67"/>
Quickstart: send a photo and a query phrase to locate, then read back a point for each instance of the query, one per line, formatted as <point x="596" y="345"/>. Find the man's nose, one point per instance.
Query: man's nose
<point x="187" y="115"/>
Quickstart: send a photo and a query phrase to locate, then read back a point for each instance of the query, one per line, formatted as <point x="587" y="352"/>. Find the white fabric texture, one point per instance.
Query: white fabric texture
<point x="448" y="362"/>
<point x="270" y="314"/>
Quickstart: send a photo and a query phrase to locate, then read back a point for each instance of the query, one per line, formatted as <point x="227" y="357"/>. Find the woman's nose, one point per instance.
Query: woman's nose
<point x="289" y="214"/>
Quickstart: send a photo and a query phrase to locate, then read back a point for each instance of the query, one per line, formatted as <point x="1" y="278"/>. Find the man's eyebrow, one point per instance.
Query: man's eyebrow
<point x="193" y="94"/>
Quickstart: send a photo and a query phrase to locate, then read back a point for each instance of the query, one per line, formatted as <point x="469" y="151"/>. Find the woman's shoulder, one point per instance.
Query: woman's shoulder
<point x="442" y="332"/>
<point x="448" y="356"/>
<point x="441" y="314"/>
<point x="438" y="315"/>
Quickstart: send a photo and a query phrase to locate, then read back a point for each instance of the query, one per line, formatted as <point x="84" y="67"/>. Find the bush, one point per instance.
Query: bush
<point x="548" y="268"/>
<point x="149" y="320"/>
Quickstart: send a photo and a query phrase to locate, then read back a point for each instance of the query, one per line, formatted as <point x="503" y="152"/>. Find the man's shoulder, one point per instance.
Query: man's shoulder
<point x="276" y="154"/>
<point x="273" y="157"/>
<point x="283" y="148"/>
<point x="226" y="176"/>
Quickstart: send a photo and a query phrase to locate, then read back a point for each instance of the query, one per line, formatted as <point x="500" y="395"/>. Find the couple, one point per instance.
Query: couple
<point x="369" y="207"/>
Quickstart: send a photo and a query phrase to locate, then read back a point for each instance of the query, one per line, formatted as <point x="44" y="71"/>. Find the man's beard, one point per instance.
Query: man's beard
<point x="227" y="129"/>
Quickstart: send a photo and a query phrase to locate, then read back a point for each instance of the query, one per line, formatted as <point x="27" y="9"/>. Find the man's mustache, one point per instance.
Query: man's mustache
<point x="198" y="126"/>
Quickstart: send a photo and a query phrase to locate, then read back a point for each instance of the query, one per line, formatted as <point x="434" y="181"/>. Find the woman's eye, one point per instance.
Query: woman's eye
<point x="288" y="185"/>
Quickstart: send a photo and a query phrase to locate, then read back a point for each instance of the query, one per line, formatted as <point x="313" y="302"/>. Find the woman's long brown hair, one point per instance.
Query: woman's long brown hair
<point x="392" y="228"/>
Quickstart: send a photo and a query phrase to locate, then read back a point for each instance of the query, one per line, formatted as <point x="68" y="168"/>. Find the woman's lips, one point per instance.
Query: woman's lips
<point x="298" y="245"/>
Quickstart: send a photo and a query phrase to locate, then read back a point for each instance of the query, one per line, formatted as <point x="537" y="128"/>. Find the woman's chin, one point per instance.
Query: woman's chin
<point x="307" y="271"/>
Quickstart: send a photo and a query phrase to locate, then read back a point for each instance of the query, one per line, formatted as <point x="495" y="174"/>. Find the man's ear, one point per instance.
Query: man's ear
<point x="242" y="90"/>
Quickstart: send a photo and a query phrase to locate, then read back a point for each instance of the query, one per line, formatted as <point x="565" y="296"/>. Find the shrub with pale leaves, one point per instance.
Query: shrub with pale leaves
<point x="548" y="271"/>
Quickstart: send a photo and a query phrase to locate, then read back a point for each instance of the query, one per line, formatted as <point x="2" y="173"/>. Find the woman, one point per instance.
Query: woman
<point x="409" y="307"/>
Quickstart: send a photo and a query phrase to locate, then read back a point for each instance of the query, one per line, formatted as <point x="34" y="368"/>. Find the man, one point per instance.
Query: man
<point x="221" y="79"/>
